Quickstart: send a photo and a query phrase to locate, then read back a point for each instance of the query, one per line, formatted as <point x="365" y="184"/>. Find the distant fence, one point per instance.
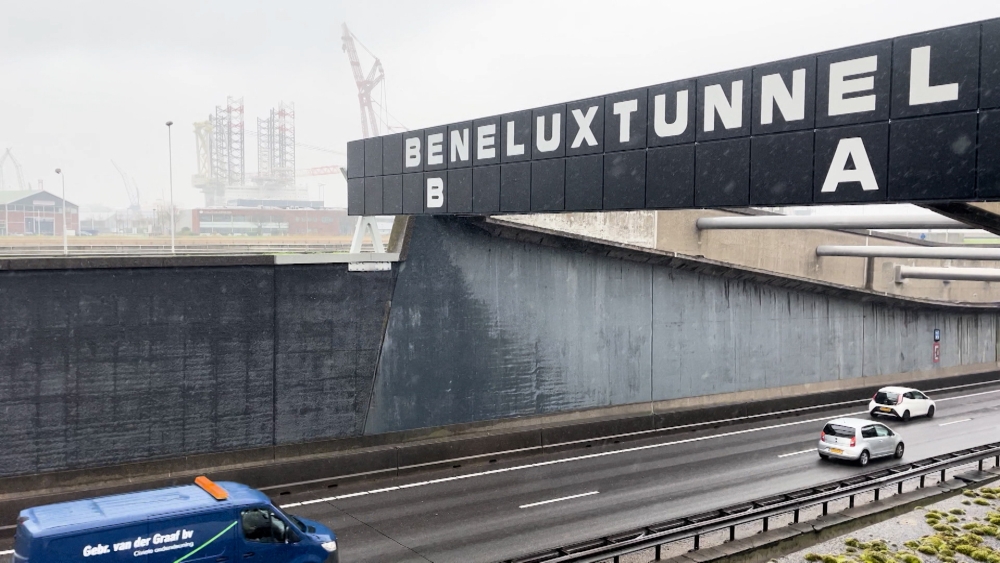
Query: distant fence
<point x="105" y="245"/>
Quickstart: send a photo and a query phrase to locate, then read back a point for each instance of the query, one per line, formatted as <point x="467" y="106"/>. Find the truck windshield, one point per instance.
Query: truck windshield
<point x="295" y="521"/>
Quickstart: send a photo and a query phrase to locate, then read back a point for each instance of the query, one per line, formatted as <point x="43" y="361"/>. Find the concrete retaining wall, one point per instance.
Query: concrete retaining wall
<point x="484" y="327"/>
<point x="102" y="367"/>
<point x="105" y="365"/>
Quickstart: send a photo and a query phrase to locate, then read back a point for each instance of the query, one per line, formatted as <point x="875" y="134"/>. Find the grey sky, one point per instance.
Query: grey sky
<point x="85" y="82"/>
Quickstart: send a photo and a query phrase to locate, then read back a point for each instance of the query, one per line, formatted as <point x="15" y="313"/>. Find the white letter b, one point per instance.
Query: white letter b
<point x="435" y="193"/>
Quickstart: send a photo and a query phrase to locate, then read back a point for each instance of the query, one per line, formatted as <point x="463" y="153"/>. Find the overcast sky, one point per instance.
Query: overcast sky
<point x="85" y="82"/>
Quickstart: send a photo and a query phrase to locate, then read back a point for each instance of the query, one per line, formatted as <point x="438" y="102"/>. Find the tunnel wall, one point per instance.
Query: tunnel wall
<point x="108" y="366"/>
<point x="101" y="367"/>
<point x="484" y="327"/>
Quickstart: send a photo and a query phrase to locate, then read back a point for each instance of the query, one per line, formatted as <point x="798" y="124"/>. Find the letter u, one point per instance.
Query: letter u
<point x="552" y="143"/>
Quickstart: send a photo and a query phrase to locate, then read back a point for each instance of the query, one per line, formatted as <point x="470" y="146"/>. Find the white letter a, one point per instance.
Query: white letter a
<point x="854" y="148"/>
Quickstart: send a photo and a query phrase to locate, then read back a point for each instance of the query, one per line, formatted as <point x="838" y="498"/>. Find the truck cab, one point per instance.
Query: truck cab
<point x="196" y="523"/>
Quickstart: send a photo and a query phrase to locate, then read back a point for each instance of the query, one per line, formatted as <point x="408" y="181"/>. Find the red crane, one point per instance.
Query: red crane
<point x="369" y="119"/>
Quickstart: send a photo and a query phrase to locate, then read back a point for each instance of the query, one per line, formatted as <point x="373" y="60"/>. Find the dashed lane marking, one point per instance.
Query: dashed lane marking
<point x="560" y="499"/>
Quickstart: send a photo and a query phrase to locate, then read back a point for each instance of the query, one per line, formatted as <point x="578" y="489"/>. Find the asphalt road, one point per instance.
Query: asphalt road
<point x="512" y="508"/>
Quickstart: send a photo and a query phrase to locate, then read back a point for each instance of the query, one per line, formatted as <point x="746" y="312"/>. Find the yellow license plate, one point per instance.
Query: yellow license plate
<point x="885" y="409"/>
<point x="836" y="451"/>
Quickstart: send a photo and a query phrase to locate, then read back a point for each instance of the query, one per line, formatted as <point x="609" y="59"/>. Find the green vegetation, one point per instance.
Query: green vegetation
<point x="951" y="541"/>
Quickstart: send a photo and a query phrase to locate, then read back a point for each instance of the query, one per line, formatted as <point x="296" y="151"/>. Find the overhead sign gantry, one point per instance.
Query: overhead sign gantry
<point x="910" y="119"/>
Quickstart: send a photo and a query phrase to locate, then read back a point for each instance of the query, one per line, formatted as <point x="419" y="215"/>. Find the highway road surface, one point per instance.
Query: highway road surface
<point x="514" y="508"/>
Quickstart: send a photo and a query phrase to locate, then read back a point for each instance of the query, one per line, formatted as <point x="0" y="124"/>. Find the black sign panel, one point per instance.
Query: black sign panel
<point x="851" y="164"/>
<point x="809" y="130"/>
<point x="988" y="182"/>
<point x="585" y="127"/>
<point x="852" y="85"/>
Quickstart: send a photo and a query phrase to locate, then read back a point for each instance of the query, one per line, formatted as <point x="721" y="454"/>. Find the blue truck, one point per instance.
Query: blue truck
<point x="196" y="523"/>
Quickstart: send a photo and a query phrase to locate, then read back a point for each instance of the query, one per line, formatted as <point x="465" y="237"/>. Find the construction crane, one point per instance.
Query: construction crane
<point x="130" y="188"/>
<point x="369" y="119"/>
<point x="17" y="170"/>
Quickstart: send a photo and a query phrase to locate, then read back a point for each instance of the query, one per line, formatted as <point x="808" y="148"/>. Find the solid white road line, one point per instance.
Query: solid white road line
<point x="812" y="450"/>
<point x="955" y="422"/>
<point x="564" y="460"/>
<point x="594" y="456"/>
<point x="560" y="499"/>
<point x="967" y="396"/>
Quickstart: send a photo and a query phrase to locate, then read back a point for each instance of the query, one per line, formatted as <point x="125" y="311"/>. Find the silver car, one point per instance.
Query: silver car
<point x="858" y="440"/>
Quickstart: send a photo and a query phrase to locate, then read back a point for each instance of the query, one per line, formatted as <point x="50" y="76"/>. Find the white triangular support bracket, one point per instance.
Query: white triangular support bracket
<point x="367" y="224"/>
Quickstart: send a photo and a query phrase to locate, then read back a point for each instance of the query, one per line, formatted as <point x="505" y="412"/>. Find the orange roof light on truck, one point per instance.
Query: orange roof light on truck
<point x="207" y="485"/>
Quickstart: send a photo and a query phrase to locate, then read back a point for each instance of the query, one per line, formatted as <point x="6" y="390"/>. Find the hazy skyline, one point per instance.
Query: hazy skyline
<point x="84" y="86"/>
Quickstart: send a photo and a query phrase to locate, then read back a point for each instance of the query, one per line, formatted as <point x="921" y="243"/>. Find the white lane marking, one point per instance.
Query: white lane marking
<point x="564" y="460"/>
<point x="811" y="450"/>
<point x="560" y="499"/>
<point x="588" y="456"/>
<point x="967" y="396"/>
<point x="723" y="421"/>
<point x="955" y="422"/>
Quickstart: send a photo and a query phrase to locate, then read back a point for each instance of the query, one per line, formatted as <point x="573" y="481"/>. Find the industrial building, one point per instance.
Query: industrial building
<point x="271" y="218"/>
<point x="36" y="212"/>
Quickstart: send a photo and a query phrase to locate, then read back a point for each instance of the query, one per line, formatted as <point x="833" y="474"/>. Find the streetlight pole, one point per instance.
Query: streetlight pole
<point x="65" y="239"/>
<point x="170" y="156"/>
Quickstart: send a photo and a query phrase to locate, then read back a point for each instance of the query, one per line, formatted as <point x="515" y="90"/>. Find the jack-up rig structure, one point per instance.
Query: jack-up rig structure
<point x="220" y="146"/>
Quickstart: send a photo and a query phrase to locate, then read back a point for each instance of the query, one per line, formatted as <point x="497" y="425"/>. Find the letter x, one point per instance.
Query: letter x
<point x="584" y="134"/>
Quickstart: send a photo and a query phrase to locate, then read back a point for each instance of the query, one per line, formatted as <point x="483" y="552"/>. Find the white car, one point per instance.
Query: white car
<point x="858" y="440"/>
<point x="901" y="403"/>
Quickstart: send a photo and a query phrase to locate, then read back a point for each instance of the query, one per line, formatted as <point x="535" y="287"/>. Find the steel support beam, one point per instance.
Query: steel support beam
<point x="831" y="222"/>
<point x="366" y="224"/>
<point x="971" y="215"/>
<point x="932" y="252"/>
<point x="947" y="274"/>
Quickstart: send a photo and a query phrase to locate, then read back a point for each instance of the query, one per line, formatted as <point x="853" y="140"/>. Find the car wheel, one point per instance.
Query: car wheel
<point x="906" y="416"/>
<point x="872" y="414"/>
<point x="899" y="450"/>
<point x="863" y="458"/>
<point x="930" y="412"/>
<point x="824" y="456"/>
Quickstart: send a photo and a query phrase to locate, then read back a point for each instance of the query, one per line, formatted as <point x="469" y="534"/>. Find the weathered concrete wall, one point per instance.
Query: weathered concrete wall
<point x="328" y="329"/>
<point x="637" y="228"/>
<point x="484" y="327"/>
<point x="793" y="252"/>
<point x="125" y="364"/>
<point x="785" y="252"/>
<point x="101" y="367"/>
<point x="721" y="336"/>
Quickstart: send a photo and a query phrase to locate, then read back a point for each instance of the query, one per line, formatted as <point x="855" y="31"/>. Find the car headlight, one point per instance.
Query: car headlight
<point x="330" y="546"/>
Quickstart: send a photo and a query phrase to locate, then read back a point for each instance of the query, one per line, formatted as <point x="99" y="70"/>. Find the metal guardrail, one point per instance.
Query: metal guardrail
<point x="657" y="535"/>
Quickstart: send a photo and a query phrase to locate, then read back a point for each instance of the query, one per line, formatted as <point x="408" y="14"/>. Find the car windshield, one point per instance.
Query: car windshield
<point x="886" y="397"/>
<point x="838" y="430"/>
